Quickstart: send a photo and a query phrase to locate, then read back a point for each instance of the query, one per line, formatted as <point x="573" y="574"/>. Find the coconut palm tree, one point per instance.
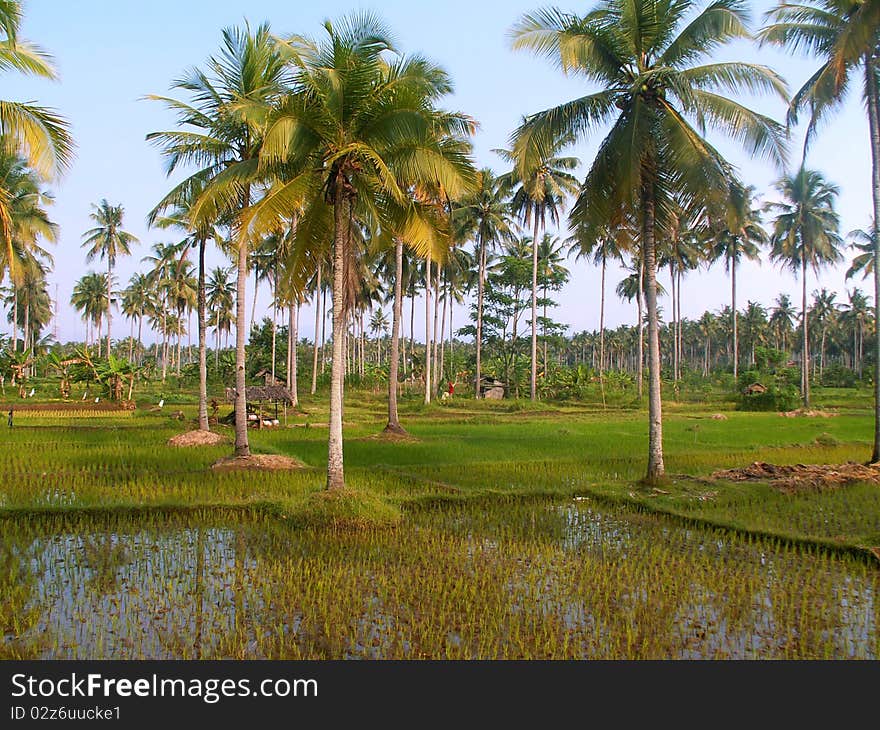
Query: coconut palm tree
<point x="136" y="301"/>
<point x="220" y="295"/>
<point x="361" y="131"/>
<point x="843" y="35"/>
<point x="221" y="134"/>
<point x="782" y="318"/>
<point x="823" y="314"/>
<point x="863" y="262"/>
<point x="552" y="274"/>
<point x="174" y="212"/>
<point x="162" y="263"/>
<point x="540" y="181"/>
<point x="643" y="53"/>
<point x="108" y="240"/>
<point x="486" y="217"/>
<point x="89" y="298"/>
<point x="26" y="205"/>
<point x="608" y="243"/>
<point x="35" y="133"/>
<point x="738" y="235"/>
<point x="805" y="234"/>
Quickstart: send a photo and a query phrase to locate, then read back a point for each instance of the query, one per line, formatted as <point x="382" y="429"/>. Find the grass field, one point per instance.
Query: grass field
<point x="547" y="496"/>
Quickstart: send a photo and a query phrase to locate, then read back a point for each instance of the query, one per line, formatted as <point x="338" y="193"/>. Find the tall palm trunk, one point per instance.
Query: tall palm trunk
<point x="674" y="324"/>
<point x="131" y="341"/>
<point x="140" y="337"/>
<point x="442" y="339"/>
<point x="393" y="361"/>
<point x="435" y="377"/>
<point x="342" y="222"/>
<point x="428" y="330"/>
<point x="533" y="373"/>
<point x="203" y="343"/>
<point x="292" y="360"/>
<point x="109" y="300"/>
<point x="242" y="447"/>
<point x="480" y="287"/>
<point x="317" y="303"/>
<point x="15" y="320"/>
<point x="733" y="309"/>
<point x="602" y="325"/>
<point x="874" y="124"/>
<point x="656" y="469"/>
<point x="640" y="374"/>
<point x="805" y="365"/>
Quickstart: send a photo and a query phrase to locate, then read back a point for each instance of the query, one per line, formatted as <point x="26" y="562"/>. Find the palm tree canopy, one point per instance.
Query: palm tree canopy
<point x="649" y="57"/>
<point x="806" y="225"/>
<point x="107" y="239"/>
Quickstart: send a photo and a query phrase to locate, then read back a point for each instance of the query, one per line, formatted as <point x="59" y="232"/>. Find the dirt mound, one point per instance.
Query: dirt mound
<point x="258" y="462"/>
<point x="718" y="417"/>
<point x="803" y="477"/>
<point x="197" y="438"/>
<point x="807" y="413"/>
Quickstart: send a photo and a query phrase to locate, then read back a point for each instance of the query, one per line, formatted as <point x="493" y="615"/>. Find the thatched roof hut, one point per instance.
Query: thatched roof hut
<point x="262" y="394"/>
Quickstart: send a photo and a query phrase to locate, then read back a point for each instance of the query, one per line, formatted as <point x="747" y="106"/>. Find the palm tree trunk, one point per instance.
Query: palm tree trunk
<point x="435" y="377"/>
<point x="874" y="124"/>
<point x="317" y="303"/>
<point x="533" y="373"/>
<point x="480" y="285"/>
<point x="656" y="469"/>
<point x="640" y="375"/>
<point x="805" y="365"/>
<point x="428" y="329"/>
<point x="442" y="339"/>
<point x="733" y="309"/>
<point x="109" y="300"/>
<point x="293" y="364"/>
<point x="274" y="331"/>
<point x="242" y="447"/>
<point x="674" y="324"/>
<point x="203" y="343"/>
<point x="393" y="361"/>
<point x="342" y="222"/>
<point x="140" y="338"/>
<point x="323" y="331"/>
<point x="256" y="291"/>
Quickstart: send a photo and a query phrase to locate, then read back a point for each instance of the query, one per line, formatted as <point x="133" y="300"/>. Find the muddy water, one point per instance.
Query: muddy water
<point x="559" y="580"/>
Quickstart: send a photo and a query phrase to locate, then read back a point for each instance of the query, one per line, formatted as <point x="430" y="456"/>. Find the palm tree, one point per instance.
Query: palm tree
<point x="136" y="300"/>
<point x="805" y="233"/>
<point x="823" y="314"/>
<point x="221" y="133"/>
<point x="162" y="262"/>
<point x="553" y="274"/>
<point x="220" y="295"/>
<point x="90" y="299"/>
<point x="862" y="263"/>
<point x="108" y="240"/>
<point x="782" y="318"/>
<point x="360" y="132"/>
<point x="177" y="209"/>
<point x="602" y="246"/>
<point x="843" y="34"/>
<point x="541" y="181"/>
<point x="642" y="53"/>
<point x="738" y="235"/>
<point x="26" y="205"/>
<point x="486" y="216"/>
<point x="856" y="315"/>
<point x="36" y="134"/>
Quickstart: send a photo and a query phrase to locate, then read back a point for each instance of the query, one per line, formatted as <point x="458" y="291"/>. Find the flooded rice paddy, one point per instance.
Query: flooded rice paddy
<point x="513" y="580"/>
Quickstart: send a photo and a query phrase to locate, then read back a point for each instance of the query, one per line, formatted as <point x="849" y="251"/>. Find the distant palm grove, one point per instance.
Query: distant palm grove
<point x="328" y="169"/>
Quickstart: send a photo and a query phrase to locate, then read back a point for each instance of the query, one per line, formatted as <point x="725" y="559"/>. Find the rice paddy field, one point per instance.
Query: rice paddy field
<point x="501" y="530"/>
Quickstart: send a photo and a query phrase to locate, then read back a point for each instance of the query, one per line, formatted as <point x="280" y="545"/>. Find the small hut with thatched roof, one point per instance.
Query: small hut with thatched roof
<point x="257" y="396"/>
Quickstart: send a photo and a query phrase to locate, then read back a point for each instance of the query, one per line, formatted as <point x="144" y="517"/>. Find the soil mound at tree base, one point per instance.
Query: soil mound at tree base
<point x="807" y="413"/>
<point x="795" y="478"/>
<point x="258" y="462"/>
<point x="197" y="438"/>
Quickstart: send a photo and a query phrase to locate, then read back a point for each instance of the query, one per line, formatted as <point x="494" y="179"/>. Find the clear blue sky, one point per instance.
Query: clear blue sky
<point x="111" y="53"/>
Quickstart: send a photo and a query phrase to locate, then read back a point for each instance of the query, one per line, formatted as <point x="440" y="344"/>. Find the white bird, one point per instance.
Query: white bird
<point x="161" y="402"/>
<point x="97" y="398"/>
<point x="85" y="394"/>
<point x="31" y="394"/>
